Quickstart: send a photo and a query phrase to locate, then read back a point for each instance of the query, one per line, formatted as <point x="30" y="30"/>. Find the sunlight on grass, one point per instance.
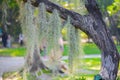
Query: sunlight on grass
<point x="92" y="63"/>
<point x="12" y="52"/>
<point x="75" y="77"/>
<point x="15" y="53"/>
<point x="89" y="77"/>
<point x="1" y="50"/>
<point x="95" y="68"/>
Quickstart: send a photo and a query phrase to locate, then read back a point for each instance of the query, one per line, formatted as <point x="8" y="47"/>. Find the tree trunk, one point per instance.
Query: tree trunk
<point x="34" y="62"/>
<point x="94" y="26"/>
<point x="102" y="37"/>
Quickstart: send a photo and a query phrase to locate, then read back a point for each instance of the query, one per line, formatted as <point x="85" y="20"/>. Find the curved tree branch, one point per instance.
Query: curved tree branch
<point x="76" y="19"/>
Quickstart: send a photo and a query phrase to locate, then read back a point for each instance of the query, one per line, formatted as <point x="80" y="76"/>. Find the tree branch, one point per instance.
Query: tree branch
<point x="76" y="19"/>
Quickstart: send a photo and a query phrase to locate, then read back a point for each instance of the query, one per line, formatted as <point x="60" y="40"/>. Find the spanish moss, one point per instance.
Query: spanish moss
<point x="54" y="35"/>
<point x="30" y="30"/>
<point x="75" y="52"/>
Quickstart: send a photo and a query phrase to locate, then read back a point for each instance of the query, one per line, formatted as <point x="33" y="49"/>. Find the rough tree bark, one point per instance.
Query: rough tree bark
<point x="94" y="26"/>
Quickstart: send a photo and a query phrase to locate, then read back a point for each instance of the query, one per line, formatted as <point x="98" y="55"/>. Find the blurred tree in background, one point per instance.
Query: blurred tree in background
<point x="9" y="11"/>
<point x="110" y="10"/>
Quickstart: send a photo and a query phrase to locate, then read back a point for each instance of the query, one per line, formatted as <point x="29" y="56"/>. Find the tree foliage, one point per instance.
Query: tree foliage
<point x="114" y="7"/>
<point x="9" y="15"/>
<point x="104" y="3"/>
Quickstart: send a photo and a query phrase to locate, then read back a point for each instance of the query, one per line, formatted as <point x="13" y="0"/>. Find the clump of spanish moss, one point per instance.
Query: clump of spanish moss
<point x="53" y="40"/>
<point x="30" y="30"/>
<point x="75" y="51"/>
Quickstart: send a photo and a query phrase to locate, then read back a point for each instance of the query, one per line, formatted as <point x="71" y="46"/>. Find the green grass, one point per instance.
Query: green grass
<point x="66" y="50"/>
<point x="118" y="47"/>
<point x="12" y="51"/>
<point x="88" y="48"/>
<point x="92" y="64"/>
<point x="89" y="62"/>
